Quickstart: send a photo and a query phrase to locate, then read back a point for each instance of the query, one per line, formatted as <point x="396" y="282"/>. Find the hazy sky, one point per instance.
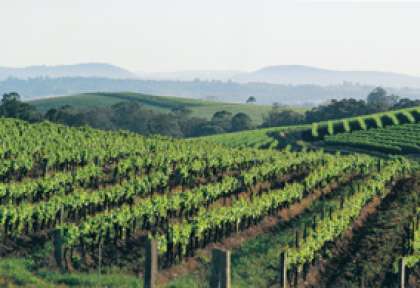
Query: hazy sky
<point x="167" y="35"/>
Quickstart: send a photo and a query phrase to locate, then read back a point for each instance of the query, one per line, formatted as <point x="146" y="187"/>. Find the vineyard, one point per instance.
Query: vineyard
<point x="373" y="121"/>
<point x="98" y="199"/>
<point x="402" y="139"/>
<point x="358" y="132"/>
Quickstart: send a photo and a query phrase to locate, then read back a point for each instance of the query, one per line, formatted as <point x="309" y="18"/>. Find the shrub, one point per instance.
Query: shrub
<point x="315" y="130"/>
<point x="378" y="121"/>
<point x="346" y="125"/>
<point x="362" y="123"/>
<point x="330" y="127"/>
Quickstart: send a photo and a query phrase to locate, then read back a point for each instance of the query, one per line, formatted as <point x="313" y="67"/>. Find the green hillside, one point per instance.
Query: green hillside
<point x="400" y="139"/>
<point x="396" y="132"/>
<point x="200" y="108"/>
<point x="258" y="138"/>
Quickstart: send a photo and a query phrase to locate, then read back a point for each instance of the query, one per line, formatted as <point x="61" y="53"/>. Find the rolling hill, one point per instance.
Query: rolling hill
<point x="200" y="108"/>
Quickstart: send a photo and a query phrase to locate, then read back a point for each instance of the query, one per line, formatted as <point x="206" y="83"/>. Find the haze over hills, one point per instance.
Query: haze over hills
<point x="293" y="75"/>
<point x="280" y="74"/>
<point x="191" y="75"/>
<point x="299" y="75"/>
<point x="101" y="70"/>
<point x="289" y="85"/>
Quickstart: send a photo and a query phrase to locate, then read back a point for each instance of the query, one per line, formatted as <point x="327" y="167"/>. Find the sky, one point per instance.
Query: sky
<point x="171" y="35"/>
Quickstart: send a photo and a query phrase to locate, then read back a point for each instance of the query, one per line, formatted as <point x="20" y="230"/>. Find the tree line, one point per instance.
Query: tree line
<point x="179" y="122"/>
<point x="129" y="115"/>
<point x="377" y="101"/>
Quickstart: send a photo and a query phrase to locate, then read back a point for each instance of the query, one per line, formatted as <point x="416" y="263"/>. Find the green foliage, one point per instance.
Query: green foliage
<point x="241" y="121"/>
<point x="24" y="273"/>
<point x="315" y="130"/>
<point x="373" y="121"/>
<point x="410" y="118"/>
<point x="346" y="125"/>
<point x="362" y="123"/>
<point x="161" y="104"/>
<point x="11" y="106"/>
<point x="400" y="139"/>
<point x="330" y="125"/>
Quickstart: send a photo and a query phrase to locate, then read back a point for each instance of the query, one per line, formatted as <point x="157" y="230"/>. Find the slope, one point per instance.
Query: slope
<point x="200" y="108"/>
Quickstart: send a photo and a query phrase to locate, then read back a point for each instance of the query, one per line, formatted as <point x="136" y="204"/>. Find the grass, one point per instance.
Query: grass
<point x="200" y="108"/>
<point x="22" y="273"/>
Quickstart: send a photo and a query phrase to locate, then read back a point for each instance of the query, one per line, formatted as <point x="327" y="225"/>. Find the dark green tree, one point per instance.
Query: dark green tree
<point x="251" y="99"/>
<point x="379" y="99"/>
<point x="241" y="121"/>
<point x="222" y="119"/>
<point x="12" y="107"/>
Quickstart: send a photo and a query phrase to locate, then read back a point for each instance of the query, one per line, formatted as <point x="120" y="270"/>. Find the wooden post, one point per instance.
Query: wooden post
<point x="59" y="249"/>
<point x="220" y="274"/>
<point x="283" y="269"/>
<point x="150" y="274"/>
<point x="296" y="277"/>
<point x="401" y="268"/>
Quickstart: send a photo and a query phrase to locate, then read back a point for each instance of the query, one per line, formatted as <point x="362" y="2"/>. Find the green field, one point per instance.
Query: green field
<point x="400" y="139"/>
<point x="320" y="130"/>
<point x="78" y="206"/>
<point x="260" y="138"/>
<point x="362" y="131"/>
<point x="200" y="108"/>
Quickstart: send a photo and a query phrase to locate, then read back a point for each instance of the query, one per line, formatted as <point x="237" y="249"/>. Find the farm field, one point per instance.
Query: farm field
<point x="79" y="203"/>
<point x="394" y="132"/>
<point x="372" y="121"/>
<point x="267" y="138"/>
<point x="200" y="108"/>
<point x="401" y="139"/>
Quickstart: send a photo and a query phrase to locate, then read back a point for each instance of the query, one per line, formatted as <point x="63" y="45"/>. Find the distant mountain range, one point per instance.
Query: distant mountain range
<point x="281" y="74"/>
<point x="100" y="70"/>
<point x="293" y="75"/>
<point x="299" y="75"/>
<point x="289" y="85"/>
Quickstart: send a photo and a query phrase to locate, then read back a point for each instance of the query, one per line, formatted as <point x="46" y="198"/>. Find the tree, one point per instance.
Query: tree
<point x="337" y="109"/>
<point x="222" y="119"/>
<point x="181" y="111"/>
<point x="210" y="130"/>
<point x="10" y="97"/>
<point x="12" y="107"/>
<point x="251" y="99"/>
<point x="280" y="118"/>
<point x="241" y="121"/>
<point x="379" y="99"/>
<point x="406" y="103"/>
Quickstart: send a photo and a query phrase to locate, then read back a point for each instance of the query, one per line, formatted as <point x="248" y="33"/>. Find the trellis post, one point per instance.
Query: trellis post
<point x="151" y="265"/>
<point x="401" y="268"/>
<point x="221" y="270"/>
<point x="283" y="270"/>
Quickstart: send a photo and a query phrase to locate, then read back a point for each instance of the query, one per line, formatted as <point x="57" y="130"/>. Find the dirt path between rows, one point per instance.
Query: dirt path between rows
<point x="349" y="252"/>
<point x="237" y="239"/>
